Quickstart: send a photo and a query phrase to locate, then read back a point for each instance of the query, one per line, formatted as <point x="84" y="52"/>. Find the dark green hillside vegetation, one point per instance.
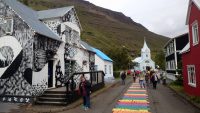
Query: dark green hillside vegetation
<point x="107" y="30"/>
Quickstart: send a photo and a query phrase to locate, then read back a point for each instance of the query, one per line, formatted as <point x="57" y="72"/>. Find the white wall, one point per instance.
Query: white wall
<point x="109" y="73"/>
<point x="100" y="63"/>
<point x="150" y="64"/>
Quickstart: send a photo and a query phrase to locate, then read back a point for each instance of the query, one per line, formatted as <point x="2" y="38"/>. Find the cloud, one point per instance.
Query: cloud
<point x="165" y="17"/>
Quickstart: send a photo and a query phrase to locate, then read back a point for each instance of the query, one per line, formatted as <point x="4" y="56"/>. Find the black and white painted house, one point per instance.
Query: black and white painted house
<point x="38" y="50"/>
<point x="172" y="54"/>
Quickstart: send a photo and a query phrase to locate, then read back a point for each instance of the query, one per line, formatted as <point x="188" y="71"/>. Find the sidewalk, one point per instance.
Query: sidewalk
<point x="164" y="100"/>
<point x="52" y="109"/>
<point x="135" y="100"/>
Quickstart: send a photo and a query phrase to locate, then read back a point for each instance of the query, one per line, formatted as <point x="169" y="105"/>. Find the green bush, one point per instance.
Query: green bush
<point x="116" y="74"/>
<point x="195" y="99"/>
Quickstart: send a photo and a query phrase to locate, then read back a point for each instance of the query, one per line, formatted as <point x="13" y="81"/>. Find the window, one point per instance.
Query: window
<point x="105" y="69"/>
<point x="96" y="67"/>
<point x="195" y="34"/>
<point x="191" y="75"/>
<point x="7" y="24"/>
<point x="110" y="69"/>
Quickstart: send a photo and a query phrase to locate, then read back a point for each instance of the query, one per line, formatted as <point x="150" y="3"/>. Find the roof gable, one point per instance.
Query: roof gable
<point x="102" y="55"/>
<point x="31" y="18"/>
<point x="197" y="3"/>
<point x="57" y="12"/>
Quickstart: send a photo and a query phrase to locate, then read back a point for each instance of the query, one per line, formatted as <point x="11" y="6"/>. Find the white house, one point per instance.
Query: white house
<point x="103" y="63"/>
<point x="38" y="50"/>
<point x="144" y="62"/>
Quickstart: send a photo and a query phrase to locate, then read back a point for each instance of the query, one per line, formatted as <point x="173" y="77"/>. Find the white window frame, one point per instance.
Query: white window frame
<point x="195" y="35"/>
<point x="110" y="69"/>
<point x="11" y="26"/>
<point x="105" y="69"/>
<point x="191" y="81"/>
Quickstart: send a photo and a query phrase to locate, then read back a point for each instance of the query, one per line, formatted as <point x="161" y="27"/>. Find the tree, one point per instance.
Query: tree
<point x="160" y="59"/>
<point x="24" y="2"/>
<point x="120" y="57"/>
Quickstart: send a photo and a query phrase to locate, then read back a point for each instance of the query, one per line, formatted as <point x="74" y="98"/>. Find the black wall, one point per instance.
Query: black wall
<point x="181" y="42"/>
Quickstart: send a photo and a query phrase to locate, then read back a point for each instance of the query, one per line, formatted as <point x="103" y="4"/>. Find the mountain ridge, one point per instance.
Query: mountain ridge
<point x="106" y="29"/>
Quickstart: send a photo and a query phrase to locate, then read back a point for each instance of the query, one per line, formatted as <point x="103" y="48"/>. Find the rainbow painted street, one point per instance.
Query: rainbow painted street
<point x="135" y="100"/>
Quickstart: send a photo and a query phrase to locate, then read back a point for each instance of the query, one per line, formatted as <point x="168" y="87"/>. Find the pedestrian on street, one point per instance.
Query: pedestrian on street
<point x="164" y="77"/>
<point x="154" y="80"/>
<point x="141" y="79"/>
<point x="134" y="76"/>
<point x="123" y="77"/>
<point x="147" y="76"/>
<point x="85" y="90"/>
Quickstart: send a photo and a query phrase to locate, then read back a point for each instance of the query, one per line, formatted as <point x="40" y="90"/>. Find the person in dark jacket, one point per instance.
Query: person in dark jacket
<point x="85" y="90"/>
<point x="123" y="77"/>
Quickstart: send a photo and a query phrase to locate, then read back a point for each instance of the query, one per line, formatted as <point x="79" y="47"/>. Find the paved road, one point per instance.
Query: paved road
<point x="163" y="100"/>
<point x="7" y="107"/>
<point x="105" y="102"/>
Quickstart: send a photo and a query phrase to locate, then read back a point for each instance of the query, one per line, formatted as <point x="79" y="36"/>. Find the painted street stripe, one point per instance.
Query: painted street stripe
<point x="135" y="100"/>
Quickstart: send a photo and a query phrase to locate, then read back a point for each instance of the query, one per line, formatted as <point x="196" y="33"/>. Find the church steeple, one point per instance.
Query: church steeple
<point x="145" y="51"/>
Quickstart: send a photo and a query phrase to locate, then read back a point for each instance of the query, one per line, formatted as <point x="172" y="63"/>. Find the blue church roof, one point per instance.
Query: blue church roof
<point x="102" y="55"/>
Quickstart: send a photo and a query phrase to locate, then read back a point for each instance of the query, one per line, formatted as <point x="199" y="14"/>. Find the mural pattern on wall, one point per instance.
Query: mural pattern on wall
<point x="18" y="81"/>
<point x="53" y="24"/>
<point x="71" y="17"/>
<point x="44" y="49"/>
<point x="60" y="78"/>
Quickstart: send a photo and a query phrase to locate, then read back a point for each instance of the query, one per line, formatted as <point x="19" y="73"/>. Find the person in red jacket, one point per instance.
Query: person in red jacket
<point x="85" y="90"/>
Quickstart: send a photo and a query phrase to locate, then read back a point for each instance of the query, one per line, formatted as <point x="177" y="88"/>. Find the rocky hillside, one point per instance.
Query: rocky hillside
<point x="106" y="29"/>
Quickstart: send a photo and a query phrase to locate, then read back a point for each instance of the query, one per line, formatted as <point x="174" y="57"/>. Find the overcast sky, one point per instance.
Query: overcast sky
<point x="165" y="17"/>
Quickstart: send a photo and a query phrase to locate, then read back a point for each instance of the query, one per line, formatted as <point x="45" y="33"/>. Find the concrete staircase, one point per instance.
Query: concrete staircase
<point x="53" y="98"/>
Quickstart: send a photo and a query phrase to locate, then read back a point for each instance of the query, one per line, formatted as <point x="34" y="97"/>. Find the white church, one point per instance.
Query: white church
<point x="144" y="62"/>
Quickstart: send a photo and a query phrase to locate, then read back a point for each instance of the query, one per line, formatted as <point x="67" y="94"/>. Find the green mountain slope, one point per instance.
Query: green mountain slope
<point x="106" y="29"/>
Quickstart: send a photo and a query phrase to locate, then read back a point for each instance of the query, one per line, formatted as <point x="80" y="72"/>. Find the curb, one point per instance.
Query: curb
<point x="185" y="98"/>
<point x="73" y="105"/>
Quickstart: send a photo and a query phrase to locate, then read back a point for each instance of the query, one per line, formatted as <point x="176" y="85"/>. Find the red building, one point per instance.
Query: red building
<point x="191" y="52"/>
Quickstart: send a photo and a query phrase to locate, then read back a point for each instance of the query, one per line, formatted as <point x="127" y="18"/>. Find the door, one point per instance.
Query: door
<point x="50" y="73"/>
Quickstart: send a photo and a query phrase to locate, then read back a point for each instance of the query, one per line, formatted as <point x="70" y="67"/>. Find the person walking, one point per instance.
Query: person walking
<point x="141" y="79"/>
<point x="164" y="77"/>
<point x="154" y="80"/>
<point x="134" y="76"/>
<point x="85" y="90"/>
<point x="123" y="77"/>
<point x="147" y="76"/>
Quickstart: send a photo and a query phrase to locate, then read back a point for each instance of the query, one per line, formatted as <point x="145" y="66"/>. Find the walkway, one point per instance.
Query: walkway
<point x="164" y="100"/>
<point x="135" y="100"/>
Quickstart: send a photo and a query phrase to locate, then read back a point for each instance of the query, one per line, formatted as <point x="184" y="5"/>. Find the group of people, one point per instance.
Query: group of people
<point x="146" y="77"/>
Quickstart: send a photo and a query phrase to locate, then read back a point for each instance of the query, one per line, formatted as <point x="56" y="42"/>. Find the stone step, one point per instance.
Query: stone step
<point x="51" y="103"/>
<point x="50" y="99"/>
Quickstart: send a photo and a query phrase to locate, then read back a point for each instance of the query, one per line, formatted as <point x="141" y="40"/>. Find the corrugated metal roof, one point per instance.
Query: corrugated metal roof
<point x="87" y="46"/>
<point x="52" y="13"/>
<point x="31" y="18"/>
<point x="102" y="55"/>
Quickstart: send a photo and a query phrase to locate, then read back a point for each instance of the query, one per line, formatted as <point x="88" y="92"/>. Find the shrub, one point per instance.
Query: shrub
<point x="116" y="74"/>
